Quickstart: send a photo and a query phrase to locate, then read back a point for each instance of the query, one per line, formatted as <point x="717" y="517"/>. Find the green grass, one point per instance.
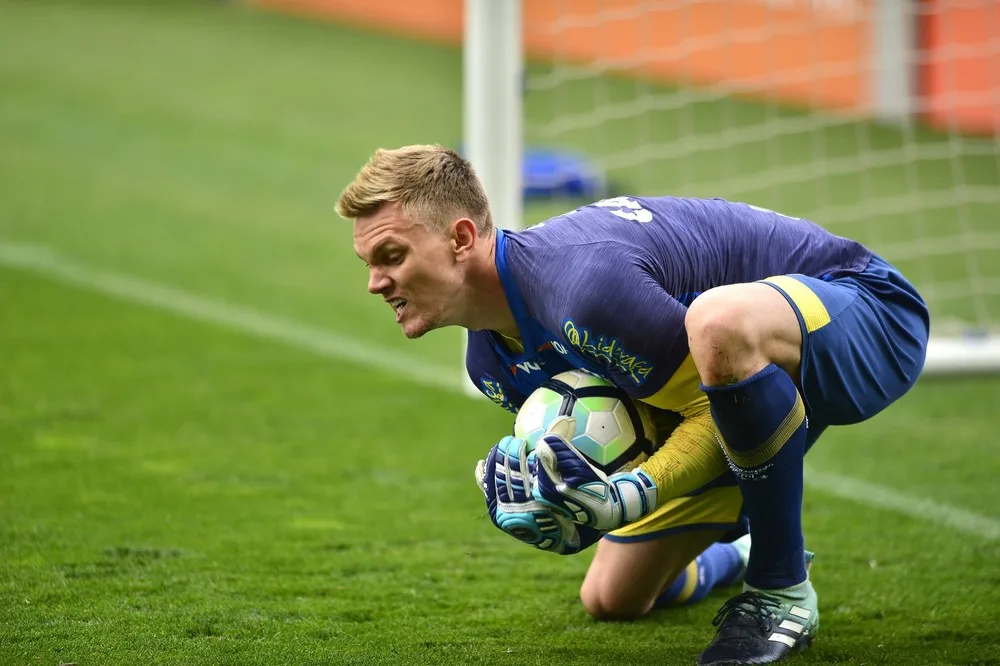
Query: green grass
<point x="173" y="492"/>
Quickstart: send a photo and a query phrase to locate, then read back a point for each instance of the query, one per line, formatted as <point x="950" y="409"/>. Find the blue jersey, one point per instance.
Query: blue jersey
<point x="606" y="288"/>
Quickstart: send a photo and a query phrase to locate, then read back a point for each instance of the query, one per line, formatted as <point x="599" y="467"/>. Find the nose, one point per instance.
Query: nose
<point x="378" y="281"/>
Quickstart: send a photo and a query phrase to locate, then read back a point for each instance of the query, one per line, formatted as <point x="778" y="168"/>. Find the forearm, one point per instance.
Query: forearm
<point x="690" y="458"/>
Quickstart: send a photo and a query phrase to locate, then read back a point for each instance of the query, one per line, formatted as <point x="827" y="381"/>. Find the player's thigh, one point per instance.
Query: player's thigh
<point x="625" y="578"/>
<point x="736" y="330"/>
<point x="864" y="339"/>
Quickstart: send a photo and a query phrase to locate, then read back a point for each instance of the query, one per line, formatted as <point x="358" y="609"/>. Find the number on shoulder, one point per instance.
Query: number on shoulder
<point x="626" y="208"/>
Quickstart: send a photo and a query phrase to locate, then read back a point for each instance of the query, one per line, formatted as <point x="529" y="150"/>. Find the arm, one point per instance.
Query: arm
<point x="689" y="459"/>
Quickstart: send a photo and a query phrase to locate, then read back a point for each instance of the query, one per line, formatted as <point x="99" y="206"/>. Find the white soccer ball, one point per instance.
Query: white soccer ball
<point x="613" y="431"/>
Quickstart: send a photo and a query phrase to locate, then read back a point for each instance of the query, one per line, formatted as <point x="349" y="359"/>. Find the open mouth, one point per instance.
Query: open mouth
<point x="399" y="305"/>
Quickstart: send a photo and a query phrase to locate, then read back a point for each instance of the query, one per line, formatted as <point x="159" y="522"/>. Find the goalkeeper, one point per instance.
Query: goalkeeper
<point x="755" y="329"/>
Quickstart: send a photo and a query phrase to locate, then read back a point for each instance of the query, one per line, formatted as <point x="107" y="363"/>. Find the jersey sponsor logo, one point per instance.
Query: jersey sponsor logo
<point x="493" y="390"/>
<point x="608" y="352"/>
<point x="553" y="344"/>
<point x="526" y="367"/>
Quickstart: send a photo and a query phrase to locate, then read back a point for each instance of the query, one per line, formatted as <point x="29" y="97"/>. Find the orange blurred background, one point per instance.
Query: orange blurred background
<point x="805" y="53"/>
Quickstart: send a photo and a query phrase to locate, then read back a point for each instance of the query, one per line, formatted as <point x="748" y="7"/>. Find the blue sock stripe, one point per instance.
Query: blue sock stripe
<point x="718" y="565"/>
<point x="751" y="412"/>
<point x="770" y="447"/>
<point x="677" y="593"/>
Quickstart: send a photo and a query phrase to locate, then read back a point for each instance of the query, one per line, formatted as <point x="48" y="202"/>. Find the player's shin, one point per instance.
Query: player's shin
<point x="762" y="429"/>
<point x="761" y="424"/>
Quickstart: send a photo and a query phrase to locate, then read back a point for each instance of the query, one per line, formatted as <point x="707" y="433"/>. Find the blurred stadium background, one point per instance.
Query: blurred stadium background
<point x="216" y="448"/>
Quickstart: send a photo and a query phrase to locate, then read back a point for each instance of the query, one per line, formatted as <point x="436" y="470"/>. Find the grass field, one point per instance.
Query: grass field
<point x="216" y="448"/>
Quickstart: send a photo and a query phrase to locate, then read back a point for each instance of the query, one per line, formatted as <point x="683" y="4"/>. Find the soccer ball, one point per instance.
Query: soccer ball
<point x="614" y="433"/>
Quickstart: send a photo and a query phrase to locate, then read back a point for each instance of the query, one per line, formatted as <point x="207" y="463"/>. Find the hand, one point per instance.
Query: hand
<point x="504" y="479"/>
<point x="565" y="481"/>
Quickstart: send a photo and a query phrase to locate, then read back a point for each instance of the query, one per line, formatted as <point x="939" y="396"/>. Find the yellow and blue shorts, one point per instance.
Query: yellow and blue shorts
<point x="864" y="340"/>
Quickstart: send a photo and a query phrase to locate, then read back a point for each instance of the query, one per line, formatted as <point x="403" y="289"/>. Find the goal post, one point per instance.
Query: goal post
<point x="878" y="119"/>
<point x="492" y="77"/>
<point x="492" y="71"/>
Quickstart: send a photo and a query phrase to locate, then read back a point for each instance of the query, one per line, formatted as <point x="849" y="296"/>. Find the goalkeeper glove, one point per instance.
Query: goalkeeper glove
<point x="579" y="491"/>
<point x="504" y="479"/>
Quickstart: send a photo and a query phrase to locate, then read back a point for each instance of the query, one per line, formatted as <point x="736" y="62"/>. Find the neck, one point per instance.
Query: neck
<point x="488" y="306"/>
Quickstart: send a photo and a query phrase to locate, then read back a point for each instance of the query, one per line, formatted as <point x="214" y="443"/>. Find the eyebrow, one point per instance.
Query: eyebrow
<point x="381" y="248"/>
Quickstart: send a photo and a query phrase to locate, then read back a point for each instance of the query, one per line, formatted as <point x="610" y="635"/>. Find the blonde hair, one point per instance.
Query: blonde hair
<point x="433" y="184"/>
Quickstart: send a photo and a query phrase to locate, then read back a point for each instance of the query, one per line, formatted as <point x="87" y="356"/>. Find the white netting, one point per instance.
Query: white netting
<point x="771" y="102"/>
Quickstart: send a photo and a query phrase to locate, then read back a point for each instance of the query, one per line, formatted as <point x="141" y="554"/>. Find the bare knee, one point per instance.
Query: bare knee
<point x="735" y="331"/>
<point x="720" y="337"/>
<point x="607" y="604"/>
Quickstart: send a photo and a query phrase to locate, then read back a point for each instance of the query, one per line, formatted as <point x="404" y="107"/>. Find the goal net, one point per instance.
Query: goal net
<point x="876" y="118"/>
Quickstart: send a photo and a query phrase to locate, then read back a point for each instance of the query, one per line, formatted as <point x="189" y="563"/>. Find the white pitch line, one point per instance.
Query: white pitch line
<point x="872" y="494"/>
<point x="44" y="261"/>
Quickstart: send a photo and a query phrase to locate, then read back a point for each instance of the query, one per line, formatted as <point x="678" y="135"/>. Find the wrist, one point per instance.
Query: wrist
<point x="637" y="492"/>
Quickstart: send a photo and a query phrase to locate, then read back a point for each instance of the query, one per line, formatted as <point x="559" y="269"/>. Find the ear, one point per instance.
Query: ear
<point x="463" y="238"/>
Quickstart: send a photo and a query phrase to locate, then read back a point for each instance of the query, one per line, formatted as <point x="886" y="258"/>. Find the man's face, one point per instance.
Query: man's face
<point x="411" y="267"/>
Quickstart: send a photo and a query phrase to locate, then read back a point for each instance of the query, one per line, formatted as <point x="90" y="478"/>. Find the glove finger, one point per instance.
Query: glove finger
<point x="481" y="476"/>
<point x="547" y="481"/>
<point x="573" y="467"/>
<point x="523" y="489"/>
<point x="489" y="481"/>
<point x="501" y="470"/>
<point x="506" y="444"/>
<point x="563" y="427"/>
<point x="547" y="460"/>
<point x="517" y="486"/>
<point x="561" y="472"/>
<point x="497" y="469"/>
